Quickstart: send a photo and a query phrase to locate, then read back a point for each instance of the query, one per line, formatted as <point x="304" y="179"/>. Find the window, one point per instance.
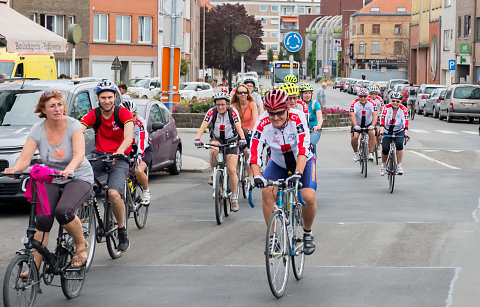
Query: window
<point x="288" y="9"/>
<point x="446" y="40"/>
<point x="362" y="48"/>
<point x="376" y="29"/>
<point x="274" y="8"/>
<point x="186" y="10"/>
<point x="64" y="67"/>
<point x="375" y="9"/>
<point x="264" y="21"/>
<point x="263" y="8"/>
<point x="275" y="47"/>
<point x="467" y="24"/>
<point x="354" y="29"/>
<point x="186" y="43"/>
<point x="459" y="27"/>
<point x="401" y="9"/>
<point x="448" y="3"/>
<point x="478" y="29"/>
<point x="100" y="27"/>
<point x="54" y="23"/>
<point x="274" y="21"/>
<point x="317" y="10"/>
<point x="33" y="17"/>
<point x="362" y="29"/>
<point x="145" y="29"/>
<point x="304" y="10"/>
<point x="154" y="117"/>
<point x="81" y="105"/>
<point x="397" y="47"/>
<point x="70" y="20"/>
<point x="264" y="48"/>
<point x="123" y="28"/>
<point x="398" y="29"/>
<point x="274" y="34"/>
<point x="375" y="47"/>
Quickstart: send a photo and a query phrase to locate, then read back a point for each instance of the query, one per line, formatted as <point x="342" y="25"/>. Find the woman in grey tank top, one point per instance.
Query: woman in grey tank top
<point x="61" y="144"/>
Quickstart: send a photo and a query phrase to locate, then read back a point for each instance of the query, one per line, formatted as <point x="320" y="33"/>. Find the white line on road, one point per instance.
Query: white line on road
<point x="455" y="150"/>
<point x="418" y="130"/>
<point x="474" y="213"/>
<point x="446" y="131"/>
<point x="449" y="300"/>
<point x="471" y="132"/>
<point x="433" y="160"/>
<point x="430" y="150"/>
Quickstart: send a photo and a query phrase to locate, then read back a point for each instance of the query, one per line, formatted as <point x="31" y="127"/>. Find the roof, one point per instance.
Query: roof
<point x="387" y="6"/>
<point x="24" y="35"/>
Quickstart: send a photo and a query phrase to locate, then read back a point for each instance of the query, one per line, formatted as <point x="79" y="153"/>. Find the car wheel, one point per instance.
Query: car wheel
<point x="471" y="119"/>
<point x="449" y="117"/>
<point x="176" y="167"/>
<point x="434" y="113"/>
<point x="440" y="117"/>
<point x="425" y="113"/>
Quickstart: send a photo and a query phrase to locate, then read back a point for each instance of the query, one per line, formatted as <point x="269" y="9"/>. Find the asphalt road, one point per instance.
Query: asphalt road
<point x="415" y="247"/>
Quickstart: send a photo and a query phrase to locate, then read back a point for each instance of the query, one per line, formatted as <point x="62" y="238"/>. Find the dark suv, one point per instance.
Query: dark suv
<point x="17" y="103"/>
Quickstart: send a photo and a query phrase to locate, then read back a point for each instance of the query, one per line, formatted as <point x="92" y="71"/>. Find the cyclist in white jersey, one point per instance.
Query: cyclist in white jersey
<point x="363" y="114"/>
<point x="374" y="90"/>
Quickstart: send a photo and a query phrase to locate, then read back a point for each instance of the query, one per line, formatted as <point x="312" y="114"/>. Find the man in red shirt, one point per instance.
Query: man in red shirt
<point x="113" y="135"/>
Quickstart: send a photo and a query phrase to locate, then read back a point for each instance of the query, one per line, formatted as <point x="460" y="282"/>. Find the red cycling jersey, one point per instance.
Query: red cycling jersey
<point x="109" y="136"/>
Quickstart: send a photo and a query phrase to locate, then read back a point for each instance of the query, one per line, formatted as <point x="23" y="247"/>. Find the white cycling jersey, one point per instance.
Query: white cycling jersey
<point x="222" y="128"/>
<point x="394" y="124"/>
<point x="293" y="138"/>
<point x="363" y="113"/>
<point x="140" y="134"/>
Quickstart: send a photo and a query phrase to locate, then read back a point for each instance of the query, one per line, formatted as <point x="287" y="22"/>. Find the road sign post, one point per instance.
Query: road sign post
<point x="292" y="42"/>
<point x="452" y="65"/>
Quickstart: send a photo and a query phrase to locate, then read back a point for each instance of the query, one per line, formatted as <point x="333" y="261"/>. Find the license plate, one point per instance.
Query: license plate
<point x="468" y="104"/>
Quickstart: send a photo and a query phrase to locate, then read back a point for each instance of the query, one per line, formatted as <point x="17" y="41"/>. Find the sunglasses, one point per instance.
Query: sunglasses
<point x="50" y="93"/>
<point x="242" y="93"/>
<point x="220" y="104"/>
<point x="362" y="96"/>
<point x="395" y="100"/>
<point x="279" y="113"/>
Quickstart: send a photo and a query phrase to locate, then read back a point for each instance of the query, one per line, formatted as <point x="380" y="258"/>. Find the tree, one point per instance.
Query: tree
<point x="311" y="59"/>
<point x="217" y="27"/>
<point x="270" y="55"/>
<point x="184" y="67"/>
<point x="281" y="55"/>
<point x="297" y="57"/>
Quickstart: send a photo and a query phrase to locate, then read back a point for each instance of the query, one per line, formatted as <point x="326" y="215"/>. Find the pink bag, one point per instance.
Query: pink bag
<point x="40" y="174"/>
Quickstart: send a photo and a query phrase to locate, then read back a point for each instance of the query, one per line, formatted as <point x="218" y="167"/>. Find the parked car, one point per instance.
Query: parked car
<point x="390" y="85"/>
<point x="195" y="89"/>
<point x="320" y="77"/>
<point x="461" y="100"/>
<point x="17" y="103"/>
<point x="423" y="94"/>
<point x="382" y="85"/>
<point x="164" y="140"/>
<point x="361" y="84"/>
<point x="403" y="89"/>
<point x="336" y="83"/>
<point x="432" y="105"/>
<point x="342" y="84"/>
<point x="346" y="83"/>
<point x="145" y="87"/>
<point x="351" y="86"/>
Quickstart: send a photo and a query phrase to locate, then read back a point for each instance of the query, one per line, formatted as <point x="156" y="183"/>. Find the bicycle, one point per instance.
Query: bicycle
<point x="411" y="111"/>
<point x="284" y="237"/>
<point x="221" y="190"/>
<point x="108" y="227"/>
<point x="22" y="279"/>
<point x="242" y="172"/>
<point x="391" y="164"/>
<point x="133" y="196"/>
<point x="363" y="150"/>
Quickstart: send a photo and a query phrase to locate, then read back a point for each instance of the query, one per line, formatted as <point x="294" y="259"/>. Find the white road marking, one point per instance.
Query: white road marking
<point x="449" y="300"/>
<point x="455" y="150"/>
<point x="433" y="160"/>
<point x="446" y="131"/>
<point x="474" y="213"/>
<point x="471" y="132"/>
<point x="418" y="130"/>
<point x="430" y="150"/>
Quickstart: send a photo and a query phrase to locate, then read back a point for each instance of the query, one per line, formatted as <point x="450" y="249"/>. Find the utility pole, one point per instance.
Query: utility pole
<point x="203" y="68"/>
<point x="230" y="57"/>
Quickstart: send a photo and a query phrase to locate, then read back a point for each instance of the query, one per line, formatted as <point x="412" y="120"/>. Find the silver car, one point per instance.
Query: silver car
<point x="432" y="105"/>
<point x="423" y="94"/>
<point x="461" y="100"/>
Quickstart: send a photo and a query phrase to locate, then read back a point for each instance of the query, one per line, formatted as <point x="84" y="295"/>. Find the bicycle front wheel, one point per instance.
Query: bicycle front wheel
<point x="219" y="201"/>
<point x="111" y="226"/>
<point x="141" y="211"/>
<point x="298" y="257"/>
<point x="18" y="290"/>
<point x="376" y="153"/>
<point x="277" y="258"/>
<point x="391" y="174"/>
<point x="72" y="279"/>
<point x="86" y="215"/>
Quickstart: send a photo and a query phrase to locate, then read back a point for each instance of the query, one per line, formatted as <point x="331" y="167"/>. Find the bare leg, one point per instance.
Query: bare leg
<point x="310" y="210"/>
<point x="118" y="207"/>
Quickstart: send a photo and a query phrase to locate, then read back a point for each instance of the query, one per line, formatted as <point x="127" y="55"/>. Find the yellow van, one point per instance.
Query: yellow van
<point x="27" y="65"/>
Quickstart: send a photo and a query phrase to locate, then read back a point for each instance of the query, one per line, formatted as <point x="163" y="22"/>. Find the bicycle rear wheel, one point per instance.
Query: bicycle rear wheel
<point x="141" y="211"/>
<point x="19" y="291"/>
<point x="72" y="279"/>
<point x="245" y="186"/>
<point x="376" y="152"/>
<point x="219" y="201"/>
<point x="298" y="258"/>
<point x="89" y="226"/>
<point x="111" y="227"/>
<point x="277" y="258"/>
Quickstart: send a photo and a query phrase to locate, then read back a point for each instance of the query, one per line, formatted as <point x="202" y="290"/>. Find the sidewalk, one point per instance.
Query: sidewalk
<point x="194" y="165"/>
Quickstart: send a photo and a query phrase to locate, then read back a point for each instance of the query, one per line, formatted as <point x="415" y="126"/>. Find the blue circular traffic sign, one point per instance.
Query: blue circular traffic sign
<point x="293" y="41"/>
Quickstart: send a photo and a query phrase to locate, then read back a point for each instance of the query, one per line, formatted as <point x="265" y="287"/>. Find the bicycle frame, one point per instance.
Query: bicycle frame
<point x="221" y="166"/>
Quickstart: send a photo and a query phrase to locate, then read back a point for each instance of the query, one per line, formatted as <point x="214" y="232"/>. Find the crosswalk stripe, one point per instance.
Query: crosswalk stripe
<point x="418" y="130"/>
<point x="471" y="132"/>
<point x="446" y="131"/>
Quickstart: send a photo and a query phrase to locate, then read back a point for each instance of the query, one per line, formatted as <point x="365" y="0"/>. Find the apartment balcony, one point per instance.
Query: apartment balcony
<point x="289" y="24"/>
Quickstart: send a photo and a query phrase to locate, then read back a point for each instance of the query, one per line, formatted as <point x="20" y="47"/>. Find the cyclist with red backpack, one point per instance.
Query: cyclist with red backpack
<point x="113" y="127"/>
<point x="225" y="127"/>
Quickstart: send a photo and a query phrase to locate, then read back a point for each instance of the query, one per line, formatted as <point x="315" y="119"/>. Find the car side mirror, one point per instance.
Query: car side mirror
<point x="157" y="126"/>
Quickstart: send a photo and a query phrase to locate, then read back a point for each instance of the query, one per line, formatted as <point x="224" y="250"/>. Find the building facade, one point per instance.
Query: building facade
<point x="465" y="16"/>
<point x="379" y="37"/>
<point x="448" y="41"/>
<point x="425" y="41"/>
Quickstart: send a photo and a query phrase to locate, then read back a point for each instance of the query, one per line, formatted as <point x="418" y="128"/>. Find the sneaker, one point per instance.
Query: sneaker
<point x="382" y="170"/>
<point x="210" y="180"/>
<point x="399" y="169"/>
<point x="124" y="243"/>
<point x="146" y="198"/>
<point x="356" y="157"/>
<point x="370" y="157"/>
<point x="234" y="205"/>
<point x="308" y="244"/>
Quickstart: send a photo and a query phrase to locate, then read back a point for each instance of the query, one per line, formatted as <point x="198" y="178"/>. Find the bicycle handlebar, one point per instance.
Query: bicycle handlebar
<point x="230" y="145"/>
<point x="19" y="175"/>
<point x="277" y="183"/>
<point x="106" y="157"/>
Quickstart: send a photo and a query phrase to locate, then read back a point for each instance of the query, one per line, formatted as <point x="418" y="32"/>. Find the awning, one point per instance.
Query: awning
<point x="23" y="35"/>
<point x="289" y="19"/>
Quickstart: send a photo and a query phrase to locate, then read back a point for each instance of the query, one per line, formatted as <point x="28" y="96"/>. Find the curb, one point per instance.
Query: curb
<point x="194" y="165"/>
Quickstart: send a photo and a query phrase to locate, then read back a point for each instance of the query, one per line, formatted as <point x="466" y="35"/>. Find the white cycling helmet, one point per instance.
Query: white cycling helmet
<point x="374" y="89"/>
<point x="130" y="105"/>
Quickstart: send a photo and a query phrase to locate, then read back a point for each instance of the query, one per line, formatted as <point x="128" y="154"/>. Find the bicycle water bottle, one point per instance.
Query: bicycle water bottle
<point x="220" y="157"/>
<point x="130" y="184"/>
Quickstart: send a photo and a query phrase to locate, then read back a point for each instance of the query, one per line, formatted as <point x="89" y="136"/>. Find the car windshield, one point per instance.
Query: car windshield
<point x="392" y="85"/>
<point x="140" y="83"/>
<point x="6" y="68"/>
<point x="429" y="90"/>
<point x="467" y="93"/>
<point x="16" y="107"/>
<point x="188" y="86"/>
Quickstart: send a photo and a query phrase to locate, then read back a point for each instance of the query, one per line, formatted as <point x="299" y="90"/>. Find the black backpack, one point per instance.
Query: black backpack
<point x="214" y="118"/>
<point x="98" y="118"/>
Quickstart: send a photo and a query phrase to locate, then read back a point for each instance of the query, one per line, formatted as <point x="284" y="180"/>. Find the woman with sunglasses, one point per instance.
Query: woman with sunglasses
<point x="363" y="114"/>
<point x="394" y="122"/>
<point x="61" y="144"/>
<point x="226" y="126"/>
<point x="244" y="102"/>
<point x="286" y="132"/>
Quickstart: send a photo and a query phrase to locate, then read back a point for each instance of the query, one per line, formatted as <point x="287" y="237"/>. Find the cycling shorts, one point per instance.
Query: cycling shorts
<point x="309" y="179"/>
<point x="147" y="158"/>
